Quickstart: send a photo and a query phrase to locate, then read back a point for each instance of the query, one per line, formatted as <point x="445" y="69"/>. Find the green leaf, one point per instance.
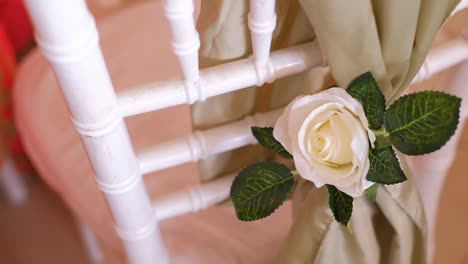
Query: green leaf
<point x="341" y="204"/>
<point x="260" y="189"/>
<point x="372" y="192"/>
<point x="366" y="90"/>
<point x="423" y="121"/>
<point x="264" y="135"/>
<point x="384" y="167"/>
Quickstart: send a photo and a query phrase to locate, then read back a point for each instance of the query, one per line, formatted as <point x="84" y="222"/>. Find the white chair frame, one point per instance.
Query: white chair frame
<point x="67" y="35"/>
<point x="13" y="183"/>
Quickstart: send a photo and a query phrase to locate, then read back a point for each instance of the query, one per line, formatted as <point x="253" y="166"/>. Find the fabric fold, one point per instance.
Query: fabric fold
<point x="389" y="38"/>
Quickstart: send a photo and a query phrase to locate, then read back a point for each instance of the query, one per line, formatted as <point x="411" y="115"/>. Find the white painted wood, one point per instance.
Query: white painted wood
<point x="13" y="183"/>
<point x="202" y="144"/>
<point x="194" y="199"/>
<point x="462" y="5"/>
<point x="185" y="39"/>
<point x="242" y="74"/>
<point x="262" y="22"/>
<point x="218" y="80"/>
<point x="67" y="35"/>
<point x="90" y="243"/>
<point x="444" y="57"/>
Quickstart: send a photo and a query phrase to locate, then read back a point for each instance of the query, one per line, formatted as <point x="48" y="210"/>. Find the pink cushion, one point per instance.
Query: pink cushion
<point x="136" y="45"/>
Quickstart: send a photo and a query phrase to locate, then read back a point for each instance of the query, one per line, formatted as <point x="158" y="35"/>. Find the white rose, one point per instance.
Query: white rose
<point x="328" y="134"/>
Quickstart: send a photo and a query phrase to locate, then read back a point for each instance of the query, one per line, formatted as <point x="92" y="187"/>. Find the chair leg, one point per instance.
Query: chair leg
<point x="68" y="37"/>
<point x="90" y="243"/>
<point x="13" y="183"/>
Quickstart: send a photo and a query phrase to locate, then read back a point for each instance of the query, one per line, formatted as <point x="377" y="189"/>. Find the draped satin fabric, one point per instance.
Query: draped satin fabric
<point x="389" y="38"/>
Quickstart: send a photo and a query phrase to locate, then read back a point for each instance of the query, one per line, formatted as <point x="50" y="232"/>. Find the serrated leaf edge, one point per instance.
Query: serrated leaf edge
<point x="253" y="220"/>
<point x="366" y="110"/>
<point x="284" y="153"/>
<point x="288" y="194"/>
<point x="432" y="91"/>
<point x="330" y="205"/>
<point x="399" y="165"/>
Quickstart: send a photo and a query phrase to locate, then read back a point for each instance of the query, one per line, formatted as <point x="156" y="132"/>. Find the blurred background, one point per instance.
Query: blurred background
<point x="37" y="227"/>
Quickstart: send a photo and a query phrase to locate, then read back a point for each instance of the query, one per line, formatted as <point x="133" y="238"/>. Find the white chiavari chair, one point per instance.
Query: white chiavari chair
<point x="67" y="36"/>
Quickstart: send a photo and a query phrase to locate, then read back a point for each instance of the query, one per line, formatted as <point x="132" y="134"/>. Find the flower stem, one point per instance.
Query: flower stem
<point x="381" y="133"/>
<point x="350" y="229"/>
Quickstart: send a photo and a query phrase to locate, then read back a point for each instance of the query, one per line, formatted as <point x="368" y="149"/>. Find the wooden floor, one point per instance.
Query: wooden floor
<point x="41" y="231"/>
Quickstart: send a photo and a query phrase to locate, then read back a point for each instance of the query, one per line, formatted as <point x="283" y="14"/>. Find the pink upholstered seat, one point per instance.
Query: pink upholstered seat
<point x="136" y="46"/>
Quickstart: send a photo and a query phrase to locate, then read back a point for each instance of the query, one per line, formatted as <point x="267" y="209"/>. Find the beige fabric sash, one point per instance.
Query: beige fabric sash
<point x="389" y="38"/>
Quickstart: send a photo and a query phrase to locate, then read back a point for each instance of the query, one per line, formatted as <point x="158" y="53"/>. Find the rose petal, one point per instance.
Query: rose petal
<point x="365" y="183"/>
<point x="280" y="131"/>
<point x="341" y="175"/>
<point x="339" y="120"/>
<point x="340" y="95"/>
<point x="342" y="152"/>
<point x="353" y="190"/>
<point x="357" y="189"/>
<point x="316" y="118"/>
<point x="299" y="111"/>
<point x="359" y="142"/>
<point x="305" y="170"/>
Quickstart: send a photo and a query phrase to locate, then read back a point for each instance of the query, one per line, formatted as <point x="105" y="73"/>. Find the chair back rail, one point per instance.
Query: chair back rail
<point x="203" y="144"/>
<point x="194" y="199"/>
<point x="218" y="80"/>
